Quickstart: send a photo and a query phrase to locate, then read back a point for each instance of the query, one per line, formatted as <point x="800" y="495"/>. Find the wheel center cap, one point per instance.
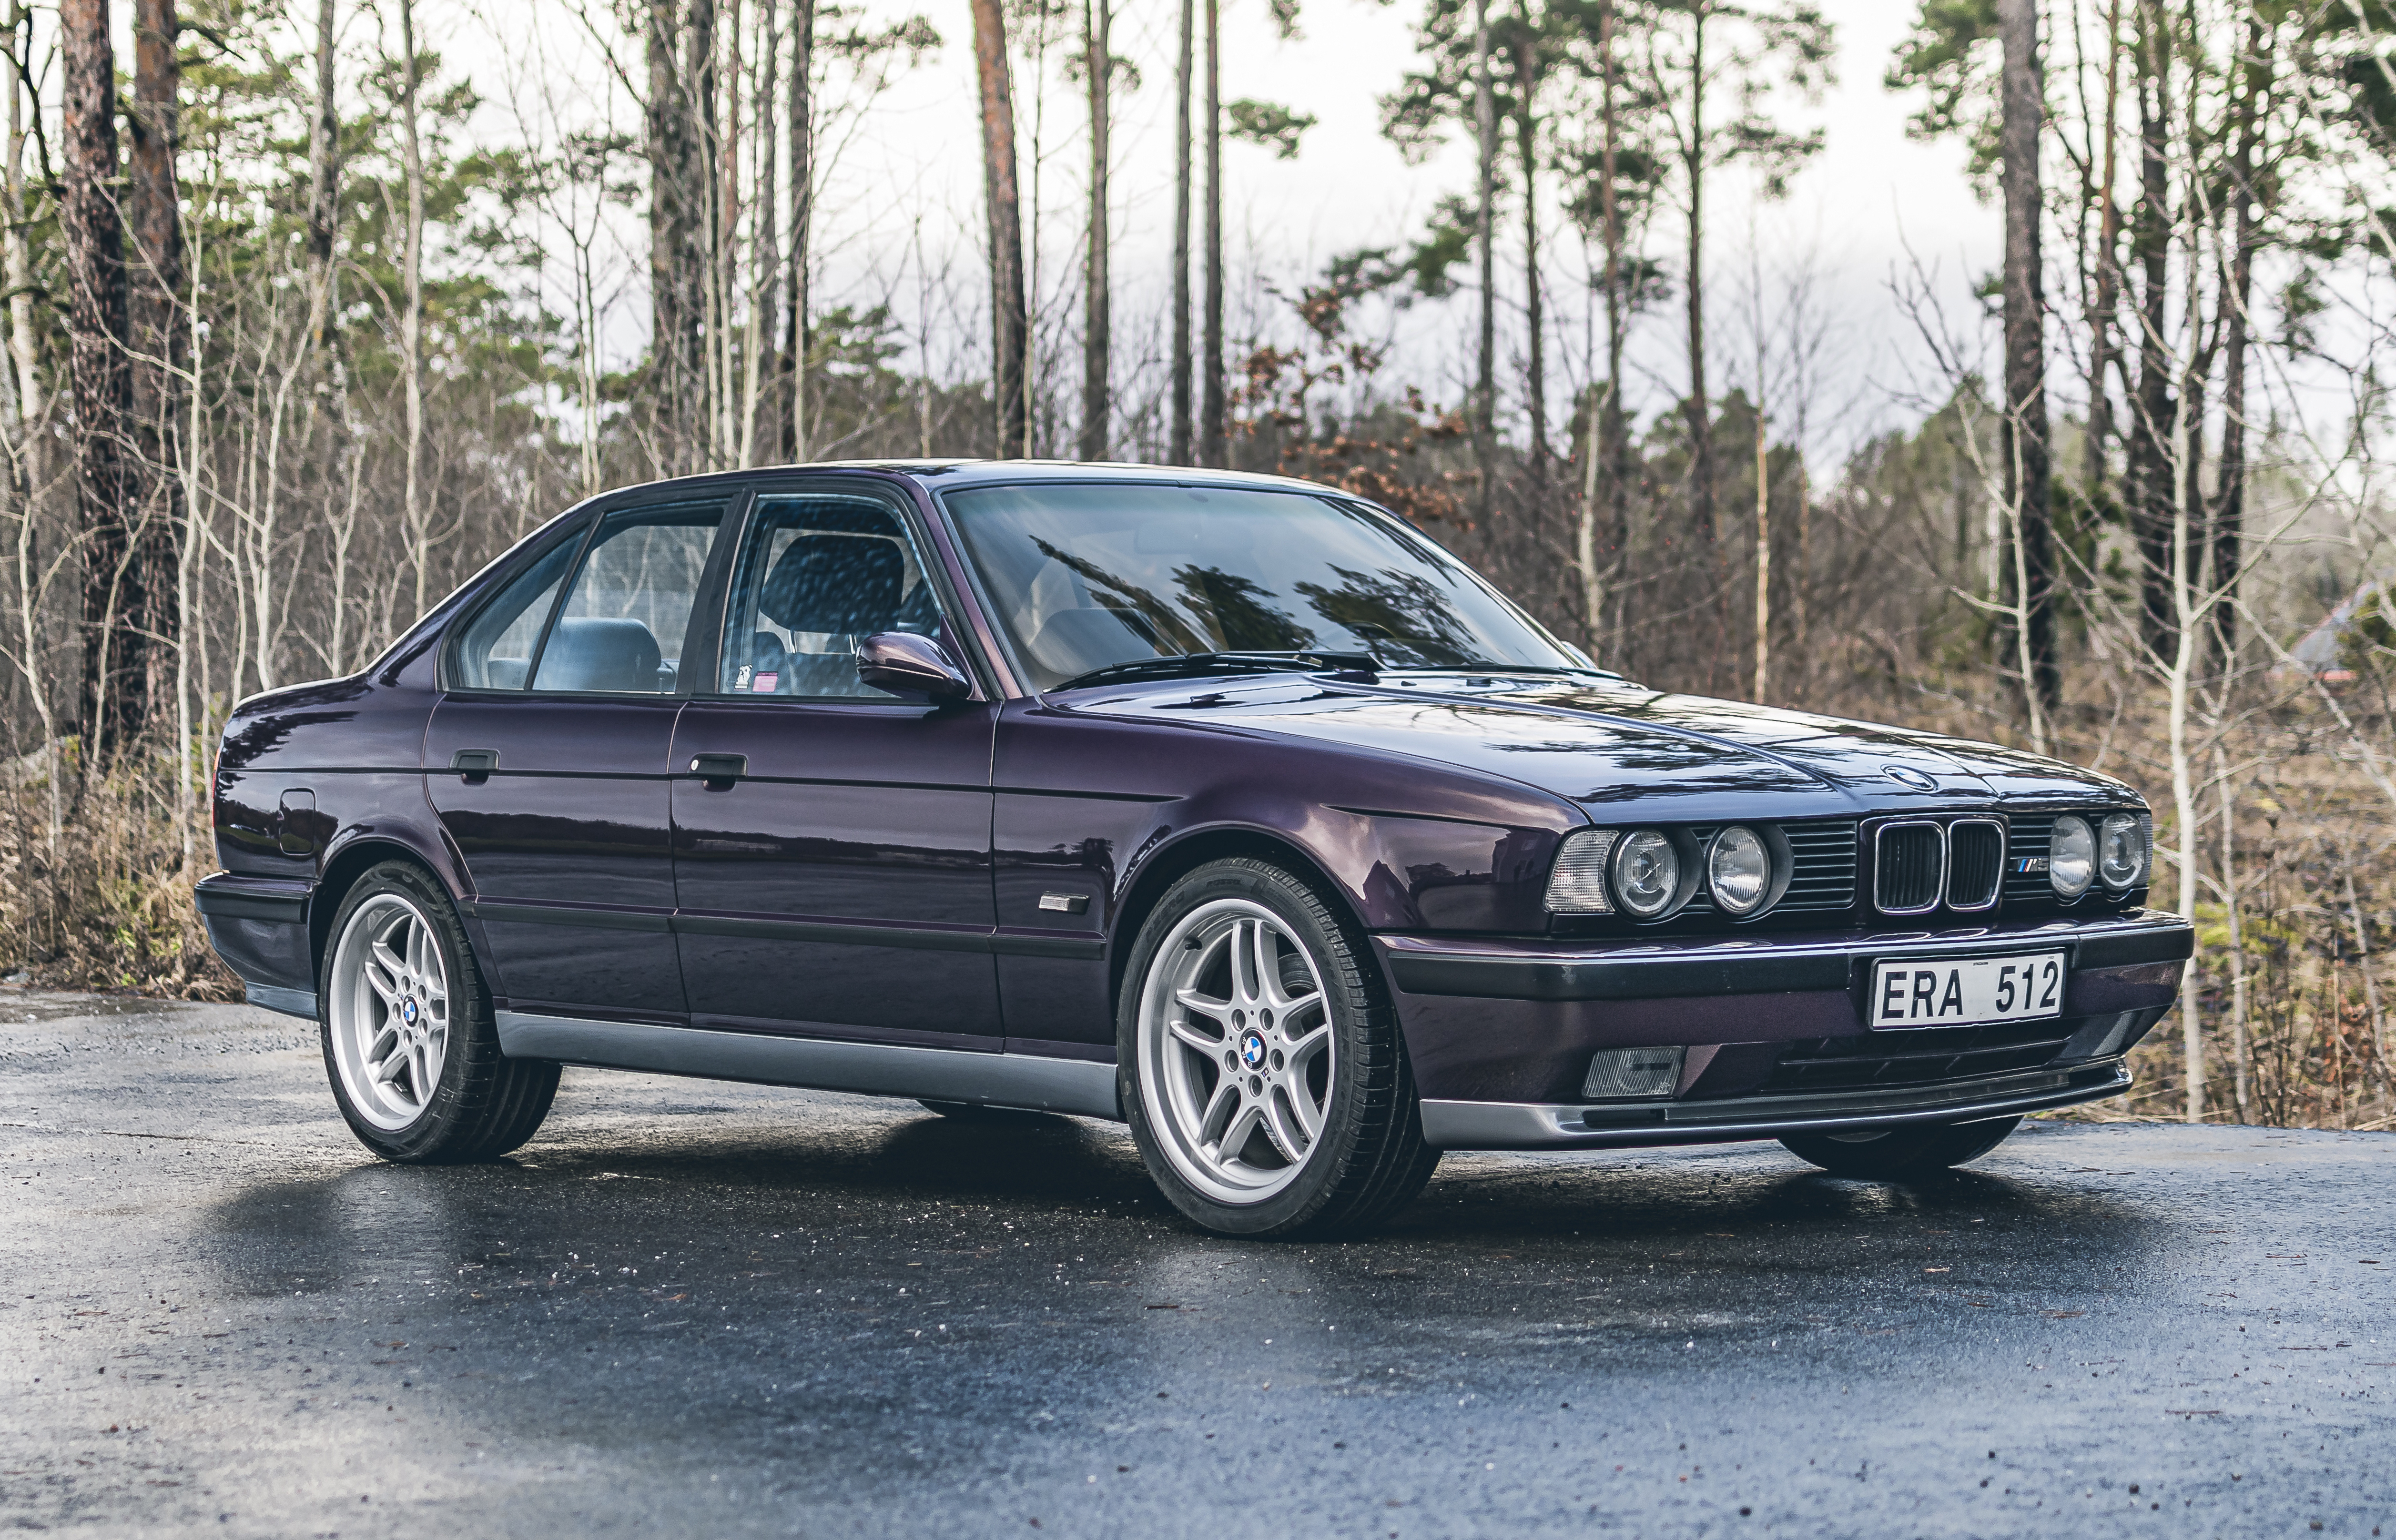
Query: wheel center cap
<point x="1252" y="1050"/>
<point x="407" y="1011"/>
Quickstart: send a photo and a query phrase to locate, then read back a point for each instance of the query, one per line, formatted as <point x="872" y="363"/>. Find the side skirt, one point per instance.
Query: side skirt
<point x="871" y="1068"/>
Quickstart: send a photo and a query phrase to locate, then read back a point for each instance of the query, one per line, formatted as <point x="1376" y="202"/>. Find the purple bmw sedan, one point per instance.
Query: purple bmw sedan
<point x="1227" y="806"/>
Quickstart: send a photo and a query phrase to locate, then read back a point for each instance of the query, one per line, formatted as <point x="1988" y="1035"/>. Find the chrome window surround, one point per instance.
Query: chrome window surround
<point x="1938" y="889"/>
<point x="1996" y="886"/>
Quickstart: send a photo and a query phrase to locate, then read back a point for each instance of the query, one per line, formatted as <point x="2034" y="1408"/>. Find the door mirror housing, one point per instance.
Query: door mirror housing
<point x="902" y="660"/>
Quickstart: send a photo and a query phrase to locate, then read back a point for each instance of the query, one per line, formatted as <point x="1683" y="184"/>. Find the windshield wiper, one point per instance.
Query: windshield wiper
<point x="1178" y="664"/>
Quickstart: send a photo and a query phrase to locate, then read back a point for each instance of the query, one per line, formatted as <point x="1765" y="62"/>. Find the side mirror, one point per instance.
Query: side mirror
<point x="902" y="660"/>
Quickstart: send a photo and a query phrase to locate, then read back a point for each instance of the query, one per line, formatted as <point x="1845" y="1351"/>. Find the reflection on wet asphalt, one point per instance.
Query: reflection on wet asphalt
<point x="692" y="1308"/>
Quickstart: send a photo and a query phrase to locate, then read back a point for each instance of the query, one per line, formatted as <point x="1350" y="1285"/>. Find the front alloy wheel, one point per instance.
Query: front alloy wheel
<point x="1236" y="1051"/>
<point x="1263" y="1073"/>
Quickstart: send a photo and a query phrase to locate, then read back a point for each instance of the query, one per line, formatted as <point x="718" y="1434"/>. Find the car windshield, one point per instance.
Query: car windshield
<point x="1092" y="575"/>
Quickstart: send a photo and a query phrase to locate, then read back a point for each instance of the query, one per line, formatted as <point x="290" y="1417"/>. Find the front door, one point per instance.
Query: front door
<point x="548" y="763"/>
<point x="832" y="841"/>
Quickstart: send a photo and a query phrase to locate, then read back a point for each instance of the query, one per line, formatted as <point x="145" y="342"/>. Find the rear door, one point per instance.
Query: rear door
<point x="831" y="840"/>
<point x="548" y="761"/>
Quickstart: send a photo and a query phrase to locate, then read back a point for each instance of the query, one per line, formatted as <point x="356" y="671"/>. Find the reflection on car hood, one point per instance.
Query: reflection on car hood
<point x="1599" y="742"/>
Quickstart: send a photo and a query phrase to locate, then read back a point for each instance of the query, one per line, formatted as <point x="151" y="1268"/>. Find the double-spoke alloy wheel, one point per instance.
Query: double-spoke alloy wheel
<point x="1237" y="1052"/>
<point x="410" y="1041"/>
<point x="389" y="1011"/>
<point x="1261" y="1068"/>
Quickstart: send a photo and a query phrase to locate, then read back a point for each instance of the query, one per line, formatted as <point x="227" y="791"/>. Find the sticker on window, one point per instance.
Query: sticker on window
<point x="762" y="683"/>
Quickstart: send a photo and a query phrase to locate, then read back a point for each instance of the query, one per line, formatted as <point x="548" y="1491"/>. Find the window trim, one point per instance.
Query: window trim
<point x="927" y="553"/>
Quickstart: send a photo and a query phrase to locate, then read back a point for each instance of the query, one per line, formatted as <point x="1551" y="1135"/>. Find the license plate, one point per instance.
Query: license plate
<point x="1967" y="992"/>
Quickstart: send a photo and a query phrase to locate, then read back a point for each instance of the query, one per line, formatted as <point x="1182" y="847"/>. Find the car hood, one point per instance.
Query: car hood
<point x="1597" y="743"/>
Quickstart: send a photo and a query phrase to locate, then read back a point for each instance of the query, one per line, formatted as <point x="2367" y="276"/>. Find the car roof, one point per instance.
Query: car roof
<point x="945" y="474"/>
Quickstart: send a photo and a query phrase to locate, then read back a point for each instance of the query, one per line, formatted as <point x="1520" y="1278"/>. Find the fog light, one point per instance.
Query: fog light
<point x="1633" y="1074"/>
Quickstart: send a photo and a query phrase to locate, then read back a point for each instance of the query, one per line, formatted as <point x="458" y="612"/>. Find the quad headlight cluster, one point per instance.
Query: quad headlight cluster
<point x="1649" y="873"/>
<point x="2116" y="849"/>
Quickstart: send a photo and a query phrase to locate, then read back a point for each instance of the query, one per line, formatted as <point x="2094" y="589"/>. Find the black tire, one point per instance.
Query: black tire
<point x="483" y="1104"/>
<point x="1367" y="1159"/>
<point x="1894" y="1154"/>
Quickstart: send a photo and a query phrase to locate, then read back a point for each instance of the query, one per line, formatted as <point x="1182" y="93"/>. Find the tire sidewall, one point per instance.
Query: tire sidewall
<point x="1352" y="1011"/>
<point x="470" y="1022"/>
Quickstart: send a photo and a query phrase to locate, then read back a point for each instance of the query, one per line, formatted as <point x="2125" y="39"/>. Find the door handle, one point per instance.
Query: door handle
<point x="719" y="771"/>
<point x="474" y="766"/>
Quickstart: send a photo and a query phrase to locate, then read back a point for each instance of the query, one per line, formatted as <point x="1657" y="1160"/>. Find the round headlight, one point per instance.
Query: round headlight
<point x="2070" y="857"/>
<point x="2120" y="851"/>
<point x="1646" y="873"/>
<point x="1738" y="870"/>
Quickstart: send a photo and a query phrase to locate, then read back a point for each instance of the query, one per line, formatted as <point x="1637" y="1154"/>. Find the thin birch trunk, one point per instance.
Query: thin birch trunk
<point x="1214" y="430"/>
<point x="1179" y="443"/>
<point x="1485" y="236"/>
<point x="411" y="319"/>
<point x="1096" y="317"/>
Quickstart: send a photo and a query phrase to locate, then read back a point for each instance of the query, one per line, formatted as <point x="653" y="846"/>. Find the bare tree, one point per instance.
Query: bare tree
<point x="2024" y="447"/>
<point x="1213" y="441"/>
<point x="1179" y="436"/>
<point x="1009" y="331"/>
<point x="95" y="258"/>
<point x="1097" y="403"/>
<point x="1485" y="238"/>
<point x="155" y="332"/>
<point x="800" y="128"/>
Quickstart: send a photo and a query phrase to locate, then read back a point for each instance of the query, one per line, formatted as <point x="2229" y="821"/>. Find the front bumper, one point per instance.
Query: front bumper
<point x="1500" y="1032"/>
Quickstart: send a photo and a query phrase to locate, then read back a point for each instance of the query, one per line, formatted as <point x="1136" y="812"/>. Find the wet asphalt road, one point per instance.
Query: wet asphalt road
<point x="692" y="1308"/>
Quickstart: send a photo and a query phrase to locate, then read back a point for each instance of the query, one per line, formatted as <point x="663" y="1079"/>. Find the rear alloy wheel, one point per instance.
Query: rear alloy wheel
<point x="410" y="1043"/>
<point x="1894" y="1154"/>
<point x="1263" y="1073"/>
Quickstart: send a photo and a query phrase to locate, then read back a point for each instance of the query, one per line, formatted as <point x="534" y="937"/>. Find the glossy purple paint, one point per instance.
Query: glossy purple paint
<point x="969" y="874"/>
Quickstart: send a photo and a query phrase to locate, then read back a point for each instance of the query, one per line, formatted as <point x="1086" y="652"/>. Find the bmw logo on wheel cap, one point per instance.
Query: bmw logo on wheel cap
<point x="1252" y="1051"/>
<point x="407" y="1011"/>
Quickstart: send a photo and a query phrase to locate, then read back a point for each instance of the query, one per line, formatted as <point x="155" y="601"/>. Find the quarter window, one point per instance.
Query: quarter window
<point x="819" y="574"/>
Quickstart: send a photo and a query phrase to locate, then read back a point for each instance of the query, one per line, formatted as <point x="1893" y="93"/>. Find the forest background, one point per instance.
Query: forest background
<point x="2007" y="368"/>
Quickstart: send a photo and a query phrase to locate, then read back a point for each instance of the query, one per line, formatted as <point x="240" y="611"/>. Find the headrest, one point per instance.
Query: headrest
<point x="591" y="652"/>
<point x="842" y="584"/>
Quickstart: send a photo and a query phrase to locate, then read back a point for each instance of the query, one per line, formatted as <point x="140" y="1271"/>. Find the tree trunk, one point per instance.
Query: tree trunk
<point x="1010" y="339"/>
<point x="1485" y="236"/>
<point x="104" y="401"/>
<point x="1693" y="164"/>
<point x="157" y="331"/>
<point x="1763" y="528"/>
<point x="1527" y="134"/>
<point x="2025" y="440"/>
<point x="411" y="316"/>
<point x="1214" y="430"/>
<point x="1099" y="63"/>
<point x="801" y="128"/>
<point x="2108" y="275"/>
<point x="1179" y="433"/>
<point x="24" y="350"/>
<point x="2229" y="509"/>
<point x="1697" y="410"/>
<point x="760" y="354"/>
<point x="2151" y="487"/>
<point x="323" y="183"/>
<point x="676" y="199"/>
<point x="1616" y="441"/>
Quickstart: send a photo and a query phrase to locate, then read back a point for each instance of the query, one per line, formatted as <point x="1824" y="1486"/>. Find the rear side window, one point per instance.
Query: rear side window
<point x="621" y="627"/>
<point x="819" y="574"/>
<point x="620" y="623"/>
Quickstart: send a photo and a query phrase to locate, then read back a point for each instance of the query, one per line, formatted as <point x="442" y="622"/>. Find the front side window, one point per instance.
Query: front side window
<point x="817" y="574"/>
<point x="1091" y="575"/>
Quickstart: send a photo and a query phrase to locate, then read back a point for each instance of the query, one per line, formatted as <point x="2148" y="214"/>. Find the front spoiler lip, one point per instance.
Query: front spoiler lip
<point x="1575" y="1126"/>
<point x="1762" y="964"/>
